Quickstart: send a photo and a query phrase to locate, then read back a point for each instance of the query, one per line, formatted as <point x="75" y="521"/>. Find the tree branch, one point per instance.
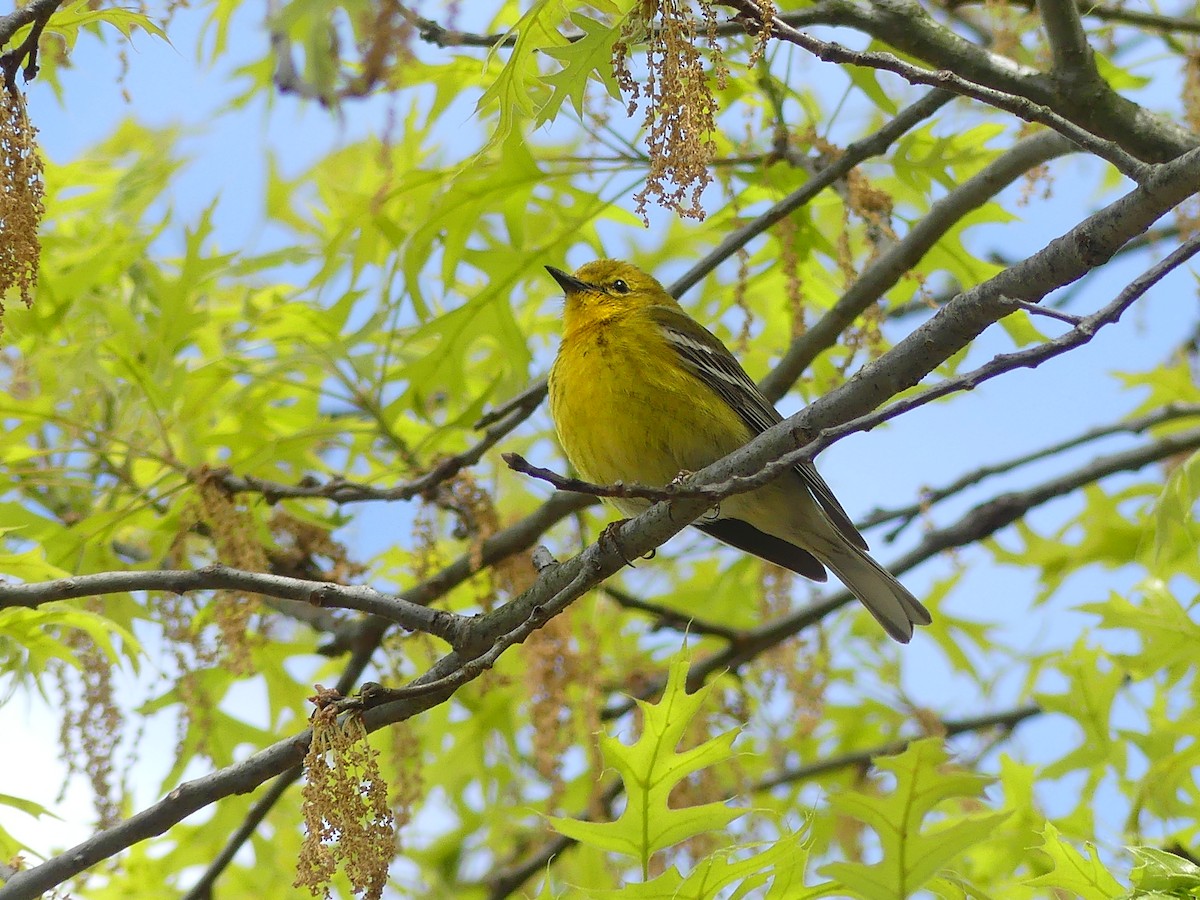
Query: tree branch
<point x="413" y="616"/>
<point x="906" y="514"/>
<point x="1007" y="721"/>
<point x="885" y="271"/>
<point x="1018" y="105"/>
<point x="499" y="425"/>
<point x="1105" y="13"/>
<point x="1073" y="61"/>
<point x="433" y="33"/>
<point x="37" y="13"/>
<point x="858" y="152"/>
<point x="671" y="618"/>
<point x="905" y="25"/>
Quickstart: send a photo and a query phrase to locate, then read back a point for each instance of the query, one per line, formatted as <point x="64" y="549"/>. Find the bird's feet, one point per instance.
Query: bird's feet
<point x="610" y="538"/>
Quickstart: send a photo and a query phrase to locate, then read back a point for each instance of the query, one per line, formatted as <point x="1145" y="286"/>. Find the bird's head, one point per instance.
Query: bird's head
<point x="605" y="289"/>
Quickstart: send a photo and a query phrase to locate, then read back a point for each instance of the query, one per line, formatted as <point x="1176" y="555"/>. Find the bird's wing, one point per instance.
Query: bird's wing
<point x="706" y="357"/>
<point x="745" y="536"/>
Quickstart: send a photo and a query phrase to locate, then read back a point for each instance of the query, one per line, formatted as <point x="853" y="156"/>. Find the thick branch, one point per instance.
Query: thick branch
<point x="903" y="24"/>
<point x="884" y="272"/>
<point x="1073" y="61"/>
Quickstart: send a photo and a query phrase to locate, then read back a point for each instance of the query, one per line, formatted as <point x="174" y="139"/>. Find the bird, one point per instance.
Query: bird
<point x="641" y="392"/>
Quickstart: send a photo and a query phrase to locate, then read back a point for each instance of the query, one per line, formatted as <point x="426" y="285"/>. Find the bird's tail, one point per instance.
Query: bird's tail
<point x="887" y="599"/>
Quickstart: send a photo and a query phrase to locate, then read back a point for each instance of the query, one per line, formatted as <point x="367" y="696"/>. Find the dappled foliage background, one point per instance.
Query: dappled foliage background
<point x="326" y="406"/>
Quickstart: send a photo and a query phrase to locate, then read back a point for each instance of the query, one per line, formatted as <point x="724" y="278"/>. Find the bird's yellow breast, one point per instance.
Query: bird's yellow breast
<point x="624" y="411"/>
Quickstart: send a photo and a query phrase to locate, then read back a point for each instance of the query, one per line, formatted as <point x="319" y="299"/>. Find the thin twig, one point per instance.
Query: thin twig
<point x="856" y="153"/>
<point x="413" y="616"/>
<point x="1023" y="108"/>
<point x="1006" y="721"/>
<point x="37" y="14"/>
<point x="906" y="514"/>
<point x="500" y="424"/>
<point x="1049" y="312"/>
<point x="671" y="618"/>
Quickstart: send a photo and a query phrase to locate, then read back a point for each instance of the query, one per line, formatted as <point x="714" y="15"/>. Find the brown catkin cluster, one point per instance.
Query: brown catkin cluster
<point x="92" y="722"/>
<point x="348" y="820"/>
<point x="230" y="526"/>
<point x="1191" y="90"/>
<point x="1005" y="27"/>
<point x="871" y="204"/>
<point x="409" y="786"/>
<point x="384" y="45"/>
<point x="789" y="260"/>
<point x="1036" y="184"/>
<point x="21" y="200"/>
<point x="233" y="533"/>
<point x="553" y="667"/>
<point x="681" y="110"/>
<point x="308" y="550"/>
<point x="1187" y="215"/>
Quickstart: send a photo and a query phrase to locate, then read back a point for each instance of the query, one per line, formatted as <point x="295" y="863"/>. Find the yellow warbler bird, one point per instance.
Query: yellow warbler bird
<point x="640" y="392"/>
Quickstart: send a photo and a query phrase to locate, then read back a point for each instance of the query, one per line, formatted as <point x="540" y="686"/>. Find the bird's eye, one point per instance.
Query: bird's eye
<point x="620" y="287"/>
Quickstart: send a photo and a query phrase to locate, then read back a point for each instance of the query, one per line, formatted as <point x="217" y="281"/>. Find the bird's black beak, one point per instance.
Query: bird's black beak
<point x="569" y="283"/>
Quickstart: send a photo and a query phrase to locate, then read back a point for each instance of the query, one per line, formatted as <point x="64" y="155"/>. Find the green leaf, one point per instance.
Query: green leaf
<point x="731" y="873"/>
<point x="650" y="769"/>
<point x="913" y="851"/>
<point x="517" y="90"/>
<point x="584" y="58"/>
<point x="29" y="807"/>
<point x="1092" y="685"/>
<point x="1085" y="877"/>
<point x="1158" y="870"/>
<point x="1176" y="531"/>
<point x="1170" y="640"/>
